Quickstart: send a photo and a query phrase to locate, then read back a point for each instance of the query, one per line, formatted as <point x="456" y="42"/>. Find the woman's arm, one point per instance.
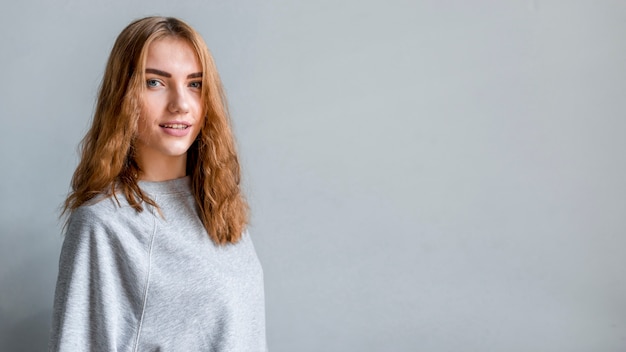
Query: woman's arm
<point x="100" y="287"/>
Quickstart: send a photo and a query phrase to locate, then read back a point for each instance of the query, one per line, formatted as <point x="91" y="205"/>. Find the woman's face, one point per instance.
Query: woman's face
<point x="171" y="107"/>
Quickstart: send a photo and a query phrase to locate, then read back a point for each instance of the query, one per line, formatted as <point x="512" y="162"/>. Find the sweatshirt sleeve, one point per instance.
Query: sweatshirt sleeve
<point x="100" y="286"/>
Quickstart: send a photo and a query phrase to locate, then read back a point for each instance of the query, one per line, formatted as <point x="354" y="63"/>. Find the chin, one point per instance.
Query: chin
<point x="177" y="153"/>
<point x="178" y="150"/>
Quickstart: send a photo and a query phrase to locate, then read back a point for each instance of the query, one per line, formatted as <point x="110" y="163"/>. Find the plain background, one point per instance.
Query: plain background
<point x="423" y="175"/>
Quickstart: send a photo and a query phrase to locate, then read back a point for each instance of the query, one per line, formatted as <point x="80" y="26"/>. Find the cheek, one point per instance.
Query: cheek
<point x="148" y="110"/>
<point x="197" y="103"/>
<point x="145" y="122"/>
<point x="149" y="105"/>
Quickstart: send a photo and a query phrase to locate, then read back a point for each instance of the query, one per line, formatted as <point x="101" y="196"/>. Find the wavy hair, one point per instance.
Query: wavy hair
<point x="107" y="163"/>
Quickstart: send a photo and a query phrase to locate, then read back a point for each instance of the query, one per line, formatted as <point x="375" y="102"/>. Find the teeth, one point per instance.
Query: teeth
<point x="177" y="126"/>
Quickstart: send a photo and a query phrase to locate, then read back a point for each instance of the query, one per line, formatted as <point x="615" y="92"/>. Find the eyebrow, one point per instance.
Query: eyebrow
<point x="168" y="75"/>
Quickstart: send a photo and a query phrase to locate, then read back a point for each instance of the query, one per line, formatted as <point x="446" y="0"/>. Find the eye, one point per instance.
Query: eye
<point x="196" y="84"/>
<point x="150" y="83"/>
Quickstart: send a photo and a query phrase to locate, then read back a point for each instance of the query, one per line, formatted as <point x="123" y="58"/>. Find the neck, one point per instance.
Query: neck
<point x="157" y="168"/>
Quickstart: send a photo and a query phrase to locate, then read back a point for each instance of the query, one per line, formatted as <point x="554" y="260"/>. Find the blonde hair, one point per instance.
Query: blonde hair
<point x="107" y="150"/>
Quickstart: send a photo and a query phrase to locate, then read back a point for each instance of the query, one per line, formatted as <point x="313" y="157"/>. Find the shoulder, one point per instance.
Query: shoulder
<point x="96" y="209"/>
<point x="106" y="218"/>
<point x="96" y="212"/>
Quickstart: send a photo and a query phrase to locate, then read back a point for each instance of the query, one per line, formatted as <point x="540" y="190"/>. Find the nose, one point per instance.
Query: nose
<point x="178" y="101"/>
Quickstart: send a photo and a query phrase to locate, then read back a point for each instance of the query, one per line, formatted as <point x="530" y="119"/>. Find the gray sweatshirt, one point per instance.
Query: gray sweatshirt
<point x="133" y="281"/>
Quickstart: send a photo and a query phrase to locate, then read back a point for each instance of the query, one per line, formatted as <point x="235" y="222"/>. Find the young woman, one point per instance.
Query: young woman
<point x="156" y="256"/>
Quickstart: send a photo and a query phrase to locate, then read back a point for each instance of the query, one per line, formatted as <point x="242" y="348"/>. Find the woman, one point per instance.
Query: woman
<point x="156" y="256"/>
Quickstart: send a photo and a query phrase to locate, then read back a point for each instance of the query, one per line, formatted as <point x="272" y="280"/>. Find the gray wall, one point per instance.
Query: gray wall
<point x="423" y="175"/>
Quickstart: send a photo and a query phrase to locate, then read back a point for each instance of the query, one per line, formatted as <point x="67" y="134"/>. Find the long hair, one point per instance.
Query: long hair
<point x="108" y="165"/>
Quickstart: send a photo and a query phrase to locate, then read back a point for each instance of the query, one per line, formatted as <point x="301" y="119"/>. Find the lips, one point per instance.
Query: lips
<point x="176" y="128"/>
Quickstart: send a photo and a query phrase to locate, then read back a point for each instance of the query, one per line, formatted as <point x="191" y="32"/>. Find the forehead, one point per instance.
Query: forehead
<point x="173" y="55"/>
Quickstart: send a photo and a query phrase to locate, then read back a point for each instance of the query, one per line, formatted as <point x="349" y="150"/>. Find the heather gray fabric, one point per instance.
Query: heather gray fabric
<point x="133" y="281"/>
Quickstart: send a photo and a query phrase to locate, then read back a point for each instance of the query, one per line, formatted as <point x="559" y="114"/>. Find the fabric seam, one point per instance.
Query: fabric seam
<point x="145" y="295"/>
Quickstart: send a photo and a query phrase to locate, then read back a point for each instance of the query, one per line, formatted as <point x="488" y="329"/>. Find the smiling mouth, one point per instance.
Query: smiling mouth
<point x="176" y="126"/>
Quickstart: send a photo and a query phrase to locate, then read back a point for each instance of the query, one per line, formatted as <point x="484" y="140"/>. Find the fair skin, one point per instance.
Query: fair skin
<point x="171" y="109"/>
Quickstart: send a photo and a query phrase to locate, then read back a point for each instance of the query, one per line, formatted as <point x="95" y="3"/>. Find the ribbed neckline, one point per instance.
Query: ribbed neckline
<point x="176" y="186"/>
